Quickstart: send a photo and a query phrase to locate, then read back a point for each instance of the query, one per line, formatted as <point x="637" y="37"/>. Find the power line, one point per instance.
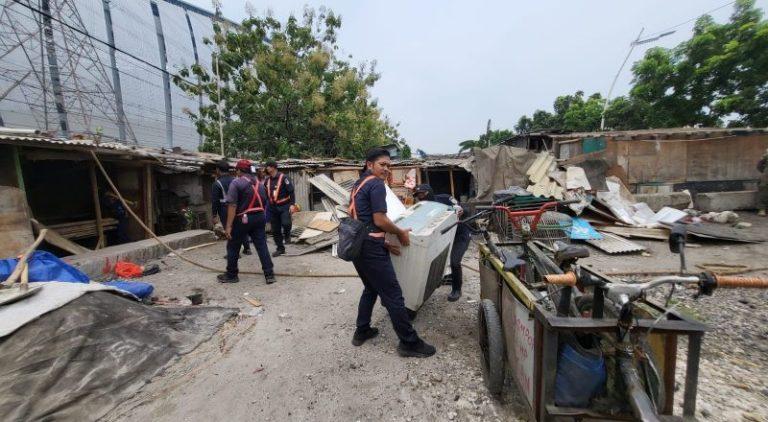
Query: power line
<point x="691" y="20"/>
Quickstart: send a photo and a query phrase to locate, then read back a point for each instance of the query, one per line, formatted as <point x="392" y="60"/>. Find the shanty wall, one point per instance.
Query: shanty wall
<point x="670" y="161"/>
<point x="300" y="178"/>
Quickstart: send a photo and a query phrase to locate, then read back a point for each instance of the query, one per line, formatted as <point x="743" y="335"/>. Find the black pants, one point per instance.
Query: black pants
<point x="223" y="219"/>
<point x="254" y="229"/>
<point x="374" y="266"/>
<point x="460" y="245"/>
<point x="281" y="224"/>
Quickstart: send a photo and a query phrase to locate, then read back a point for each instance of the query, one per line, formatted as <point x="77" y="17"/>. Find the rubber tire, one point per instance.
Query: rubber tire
<point x="491" y="346"/>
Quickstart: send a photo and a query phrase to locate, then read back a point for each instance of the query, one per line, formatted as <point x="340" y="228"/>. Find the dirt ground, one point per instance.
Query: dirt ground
<point x="291" y="359"/>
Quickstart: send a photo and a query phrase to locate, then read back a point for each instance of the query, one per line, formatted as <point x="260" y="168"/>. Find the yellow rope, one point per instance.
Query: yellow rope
<point x="183" y="258"/>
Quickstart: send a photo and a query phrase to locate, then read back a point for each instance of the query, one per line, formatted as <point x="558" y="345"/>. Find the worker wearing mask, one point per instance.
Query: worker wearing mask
<point x="282" y="203"/>
<point x="460" y="241"/>
<point x="245" y="217"/>
<point x="218" y="199"/>
<point x="374" y="265"/>
<point x="762" y="185"/>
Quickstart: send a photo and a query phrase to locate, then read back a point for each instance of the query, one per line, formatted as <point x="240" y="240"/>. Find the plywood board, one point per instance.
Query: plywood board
<point x="323" y="225"/>
<point x="15" y="229"/>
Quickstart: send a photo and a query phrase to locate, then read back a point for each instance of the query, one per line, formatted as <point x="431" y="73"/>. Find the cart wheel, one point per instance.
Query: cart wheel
<point x="491" y="346"/>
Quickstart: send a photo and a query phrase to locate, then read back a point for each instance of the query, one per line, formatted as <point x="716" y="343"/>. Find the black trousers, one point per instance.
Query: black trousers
<point x="255" y="229"/>
<point x="374" y="266"/>
<point x="281" y="224"/>
<point x="223" y="219"/>
<point x="460" y="245"/>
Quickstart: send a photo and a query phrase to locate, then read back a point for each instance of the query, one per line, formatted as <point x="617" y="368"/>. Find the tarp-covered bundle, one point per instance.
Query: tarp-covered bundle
<point x="79" y="361"/>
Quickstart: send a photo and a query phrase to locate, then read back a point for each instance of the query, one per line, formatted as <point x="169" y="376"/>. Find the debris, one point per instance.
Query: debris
<point x="340" y="291"/>
<point x="743" y="225"/>
<point x="284" y="316"/>
<point x="255" y="302"/>
<point x="202" y="245"/>
<point x="669" y="215"/>
<point x="452" y="415"/>
<point x="725" y="217"/>
<point x="720" y="231"/>
<point x="613" y="244"/>
<point x="323" y="225"/>
<point x="55" y="239"/>
<point x="259" y="369"/>
<point x="196" y="298"/>
<point x="576" y="178"/>
<point x="638" y="232"/>
<point x="331" y="189"/>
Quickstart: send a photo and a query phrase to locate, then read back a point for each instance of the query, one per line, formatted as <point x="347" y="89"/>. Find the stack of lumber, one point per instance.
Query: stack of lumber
<point x="82" y="229"/>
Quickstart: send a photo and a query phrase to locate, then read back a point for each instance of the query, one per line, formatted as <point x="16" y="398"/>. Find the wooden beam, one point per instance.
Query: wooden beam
<point x="450" y="176"/>
<point x="23" y="259"/>
<point x="17" y="164"/>
<point x="97" y="205"/>
<point x="55" y="239"/>
<point x="149" y="215"/>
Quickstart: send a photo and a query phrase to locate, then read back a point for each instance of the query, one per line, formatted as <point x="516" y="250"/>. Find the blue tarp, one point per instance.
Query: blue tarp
<point x="136" y="288"/>
<point x="44" y="266"/>
<point x="582" y="230"/>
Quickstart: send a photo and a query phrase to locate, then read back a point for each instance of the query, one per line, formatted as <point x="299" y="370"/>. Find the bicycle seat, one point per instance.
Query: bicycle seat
<point x="565" y="252"/>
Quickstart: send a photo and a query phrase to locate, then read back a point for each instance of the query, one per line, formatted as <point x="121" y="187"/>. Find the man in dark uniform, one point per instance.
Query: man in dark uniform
<point x="374" y="265"/>
<point x="219" y="201"/>
<point x="245" y="217"/>
<point x="460" y="241"/>
<point x="282" y="202"/>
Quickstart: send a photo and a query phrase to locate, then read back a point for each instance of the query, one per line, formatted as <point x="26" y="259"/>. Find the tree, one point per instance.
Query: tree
<point x="489" y="138"/>
<point x="285" y="92"/>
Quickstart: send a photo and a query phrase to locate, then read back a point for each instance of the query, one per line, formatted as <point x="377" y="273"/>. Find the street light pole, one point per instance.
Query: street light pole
<point x="632" y="46"/>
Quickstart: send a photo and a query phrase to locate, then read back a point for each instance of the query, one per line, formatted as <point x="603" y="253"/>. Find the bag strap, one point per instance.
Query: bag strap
<point x="352" y="211"/>
<point x="223" y="194"/>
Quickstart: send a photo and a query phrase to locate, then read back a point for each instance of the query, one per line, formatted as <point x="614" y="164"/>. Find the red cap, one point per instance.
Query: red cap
<point x="244" y="165"/>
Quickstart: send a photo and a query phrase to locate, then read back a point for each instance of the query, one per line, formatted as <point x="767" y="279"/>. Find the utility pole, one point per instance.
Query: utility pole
<point x="632" y="46"/>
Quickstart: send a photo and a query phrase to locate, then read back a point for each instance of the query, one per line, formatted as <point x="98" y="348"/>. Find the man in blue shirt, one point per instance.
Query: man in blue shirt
<point x="218" y="199"/>
<point x="245" y="217"/>
<point x="460" y="241"/>
<point x="374" y="265"/>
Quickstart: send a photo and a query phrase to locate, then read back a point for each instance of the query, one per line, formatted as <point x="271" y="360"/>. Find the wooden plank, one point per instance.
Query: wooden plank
<point x="450" y="176"/>
<point x="15" y="230"/>
<point x="17" y="165"/>
<point x="638" y="232"/>
<point x="58" y="240"/>
<point x="97" y="206"/>
<point x="323" y="225"/>
<point x="521" y="292"/>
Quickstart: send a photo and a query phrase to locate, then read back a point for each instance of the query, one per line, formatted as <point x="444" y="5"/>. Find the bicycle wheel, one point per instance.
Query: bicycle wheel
<point x="491" y="346"/>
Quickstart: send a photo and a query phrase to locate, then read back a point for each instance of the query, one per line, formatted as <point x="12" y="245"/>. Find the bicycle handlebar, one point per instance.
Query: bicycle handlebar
<point x="741" y="282"/>
<point x="567" y="279"/>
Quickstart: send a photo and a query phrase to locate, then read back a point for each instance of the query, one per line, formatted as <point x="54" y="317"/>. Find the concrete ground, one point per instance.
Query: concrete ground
<point x="291" y="358"/>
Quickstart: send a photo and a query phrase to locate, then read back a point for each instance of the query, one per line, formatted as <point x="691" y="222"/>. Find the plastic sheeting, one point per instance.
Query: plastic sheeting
<point x="44" y="266"/>
<point x="499" y="167"/>
<point x="81" y="360"/>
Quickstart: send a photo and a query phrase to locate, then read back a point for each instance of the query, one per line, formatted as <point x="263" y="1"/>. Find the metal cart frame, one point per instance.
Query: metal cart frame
<point x="531" y="355"/>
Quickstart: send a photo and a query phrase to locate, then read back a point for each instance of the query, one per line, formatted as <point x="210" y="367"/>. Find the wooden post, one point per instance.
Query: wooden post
<point x="17" y="164"/>
<point x="450" y="176"/>
<point x="149" y="215"/>
<point x="96" y="205"/>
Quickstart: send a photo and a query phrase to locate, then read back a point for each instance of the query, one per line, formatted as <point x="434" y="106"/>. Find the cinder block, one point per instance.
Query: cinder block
<point x="726" y="201"/>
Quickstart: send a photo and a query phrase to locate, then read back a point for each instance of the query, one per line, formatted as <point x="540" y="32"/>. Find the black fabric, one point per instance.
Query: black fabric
<point x="370" y="199"/>
<point x="462" y="230"/>
<point x="255" y="229"/>
<point x="352" y="234"/>
<point x="218" y="193"/>
<point x="374" y="266"/>
<point x="460" y="245"/>
<point x="281" y="224"/>
<point x="80" y="361"/>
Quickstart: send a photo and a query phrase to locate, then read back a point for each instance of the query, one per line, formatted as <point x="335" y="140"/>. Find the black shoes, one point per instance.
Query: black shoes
<point x="270" y="278"/>
<point x="455" y="295"/>
<point x="420" y="349"/>
<point x="361" y="336"/>
<point x="224" y="278"/>
<point x="247" y="252"/>
<point x="278" y="252"/>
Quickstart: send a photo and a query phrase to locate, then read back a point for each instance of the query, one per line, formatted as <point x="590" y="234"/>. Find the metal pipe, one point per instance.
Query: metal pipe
<point x="53" y="65"/>
<point x="116" y="85"/>
<point x="692" y="374"/>
<point x="166" y="77"/>
<point x="641" y="404"/>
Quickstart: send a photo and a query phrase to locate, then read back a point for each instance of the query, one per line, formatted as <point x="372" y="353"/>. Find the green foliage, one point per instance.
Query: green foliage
<point x="489" y="138"/>
<point x="285" y="92"/>
<point x="720" y="74"/>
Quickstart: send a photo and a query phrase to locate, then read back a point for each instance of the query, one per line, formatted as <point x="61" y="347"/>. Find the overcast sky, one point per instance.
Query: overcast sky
<point x="449" y="66"/>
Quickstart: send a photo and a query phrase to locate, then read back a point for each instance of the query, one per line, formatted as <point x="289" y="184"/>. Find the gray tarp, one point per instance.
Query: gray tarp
<point x="499" y="167"/>
<point x="79" y="361"/>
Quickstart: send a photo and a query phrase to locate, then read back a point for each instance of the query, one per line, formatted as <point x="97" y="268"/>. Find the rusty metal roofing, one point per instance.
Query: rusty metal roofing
<point x="613" y="244"/>
<point x="681" y="132"/>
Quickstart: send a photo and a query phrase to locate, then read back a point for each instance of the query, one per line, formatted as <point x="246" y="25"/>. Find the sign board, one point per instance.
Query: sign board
<point x="518" y="332"/>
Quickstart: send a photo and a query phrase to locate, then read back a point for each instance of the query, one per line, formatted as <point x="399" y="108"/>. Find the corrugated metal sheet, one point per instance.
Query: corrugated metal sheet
<point x="330" y="188"/>
<point x="540" y="168"/>
<point x="613" y="244"/>
<point x="300" y="179"/>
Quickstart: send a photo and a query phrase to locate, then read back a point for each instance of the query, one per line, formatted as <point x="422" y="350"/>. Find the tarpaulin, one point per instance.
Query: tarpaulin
<point x="81" y="360"/>
<point x="44" y="266"/>
<point x="499" y="167"/>
<point x="137" y="288"/>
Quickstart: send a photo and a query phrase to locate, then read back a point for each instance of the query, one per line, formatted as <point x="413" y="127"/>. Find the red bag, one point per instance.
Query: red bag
<point x="125" y="269"/>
